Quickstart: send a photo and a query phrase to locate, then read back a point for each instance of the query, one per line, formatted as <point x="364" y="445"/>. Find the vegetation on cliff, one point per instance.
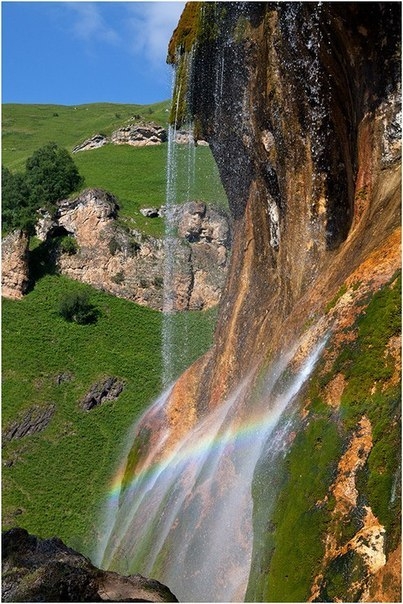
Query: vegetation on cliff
<point x="291" y="547"/>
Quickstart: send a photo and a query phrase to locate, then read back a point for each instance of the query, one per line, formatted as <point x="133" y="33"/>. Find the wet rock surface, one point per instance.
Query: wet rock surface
<point x="46" y="570"/>
<point x="301" y="105"/>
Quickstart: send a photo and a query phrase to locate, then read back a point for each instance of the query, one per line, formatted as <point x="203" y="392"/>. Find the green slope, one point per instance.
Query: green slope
<point x="25" y="128"/>
<point x="55" y="482"/>
<point x="135" y="175"/>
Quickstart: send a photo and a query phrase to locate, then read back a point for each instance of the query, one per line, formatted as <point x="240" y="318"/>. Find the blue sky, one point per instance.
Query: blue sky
<point x="71" y="53"/>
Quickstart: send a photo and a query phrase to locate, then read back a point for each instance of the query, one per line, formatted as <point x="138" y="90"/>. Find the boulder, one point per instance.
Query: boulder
<point x="150" y="212"/>
<point x="34" y="420"/>
<point x="96" y="141"/>
<point x="139" y="135"/>
<point x="46" y="570"/>
<point x="105" y="390"/>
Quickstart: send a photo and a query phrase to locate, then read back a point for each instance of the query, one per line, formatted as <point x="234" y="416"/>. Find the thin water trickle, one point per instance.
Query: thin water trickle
<point x="184" y="515"/>
<point x="181" y="161"/>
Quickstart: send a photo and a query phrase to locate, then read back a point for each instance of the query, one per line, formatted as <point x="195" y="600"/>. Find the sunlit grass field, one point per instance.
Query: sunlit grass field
<point x="135" y="175"/>
<point x="55" y="482"/>
<point x="59" y="477"/>
<point x="25" y="128"/>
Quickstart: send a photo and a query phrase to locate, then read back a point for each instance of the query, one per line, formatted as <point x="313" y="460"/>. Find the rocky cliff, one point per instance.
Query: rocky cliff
<point x="300" y="103"/>
<point x="86" y="241"/>
<point x="46" y="570"/>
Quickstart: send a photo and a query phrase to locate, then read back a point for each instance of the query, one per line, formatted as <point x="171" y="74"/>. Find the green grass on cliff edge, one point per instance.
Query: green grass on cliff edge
<point x="289" y="537"/>
<point x="55" y="481"/>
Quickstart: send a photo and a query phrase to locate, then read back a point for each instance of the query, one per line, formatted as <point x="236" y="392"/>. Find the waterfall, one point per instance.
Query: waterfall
<point x="183" y="514"/>
<point x="180" y="162"/>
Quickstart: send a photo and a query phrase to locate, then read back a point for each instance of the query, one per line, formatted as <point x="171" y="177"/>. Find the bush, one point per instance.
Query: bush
<point x="75" y="307"/>
<point x="50" y="175"/>
<point x="68" y="245"/>
<point x="114" y="246"/>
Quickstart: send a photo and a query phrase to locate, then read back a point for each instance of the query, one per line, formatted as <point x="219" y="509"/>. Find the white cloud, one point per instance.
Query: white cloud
<point x="150" y="25"/>
<point x="89" y="24"/>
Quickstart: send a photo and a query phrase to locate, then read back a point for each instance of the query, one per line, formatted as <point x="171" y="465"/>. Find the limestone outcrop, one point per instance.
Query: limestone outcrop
<point x="34" y="420"/>
<point x="139" y="135"/>
<point x="136" y="135"/>
<point x="101" y="392"/>
<point x="130" y="265"/>
<point x="46" y="570"/>
<point x="300" y="103"/>
<point x="15" y="269"/>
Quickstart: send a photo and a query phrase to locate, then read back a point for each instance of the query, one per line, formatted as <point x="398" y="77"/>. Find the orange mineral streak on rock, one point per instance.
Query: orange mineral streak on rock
<point x="394" y="350"/>
<point x="334" y="390"/>
<point x="344" y="489"/>
<point x="181" y="409"/>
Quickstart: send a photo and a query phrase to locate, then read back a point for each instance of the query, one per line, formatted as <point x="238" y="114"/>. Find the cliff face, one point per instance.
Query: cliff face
<point x="300" y="103"/>
<point x="85" y="241"/>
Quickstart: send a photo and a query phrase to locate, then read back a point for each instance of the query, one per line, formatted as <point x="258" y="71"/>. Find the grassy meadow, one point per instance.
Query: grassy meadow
<point x="135" y="175"/>
<point x="55" y="481"/>
<point x="25" y="128"/>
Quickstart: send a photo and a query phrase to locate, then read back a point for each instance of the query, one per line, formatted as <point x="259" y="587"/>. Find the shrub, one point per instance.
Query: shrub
<point x="158" y="281"/>
<point x="68" y="245"/>
<point x="50" y="175"/>
<point x="75" y="307"/>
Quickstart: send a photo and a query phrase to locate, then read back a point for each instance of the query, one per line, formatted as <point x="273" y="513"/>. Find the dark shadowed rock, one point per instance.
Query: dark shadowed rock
<point x="107" y="390"/>
<point x="46" y="570"/>
<point x="35" y="420"/>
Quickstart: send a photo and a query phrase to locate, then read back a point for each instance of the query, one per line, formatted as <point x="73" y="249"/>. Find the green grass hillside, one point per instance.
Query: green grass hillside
<point x="135" y="175"/>
<point x="25" y="128"/>
<point x="55" y="481"/>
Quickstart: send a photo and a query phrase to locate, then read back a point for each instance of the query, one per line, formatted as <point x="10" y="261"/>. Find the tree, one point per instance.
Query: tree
<point x="16" y="212"/>
<point x="50" y="176"/>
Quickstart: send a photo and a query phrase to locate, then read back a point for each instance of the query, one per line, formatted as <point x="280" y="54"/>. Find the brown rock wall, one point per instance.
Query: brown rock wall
<point x="15" y="270"/>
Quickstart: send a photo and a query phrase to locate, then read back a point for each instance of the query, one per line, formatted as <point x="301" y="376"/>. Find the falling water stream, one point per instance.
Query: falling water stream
<point x="184" y="515"/>
<point x="181" y="510"/>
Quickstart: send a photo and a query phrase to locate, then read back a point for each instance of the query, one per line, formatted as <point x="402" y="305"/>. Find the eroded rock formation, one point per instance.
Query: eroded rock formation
<point x="300" y="103"/>
<point x="135" y="135"/>
<point x="14" y="265"/>
<point x="46" y="570"/>
<point x="130" y="265"/>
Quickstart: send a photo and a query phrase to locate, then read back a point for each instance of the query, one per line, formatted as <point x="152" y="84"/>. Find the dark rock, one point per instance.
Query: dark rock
<point x="46" y="570"/>
<point x="35" y="420"/>
<point x="107" y="390"/>
<point x="96" y="141"/>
